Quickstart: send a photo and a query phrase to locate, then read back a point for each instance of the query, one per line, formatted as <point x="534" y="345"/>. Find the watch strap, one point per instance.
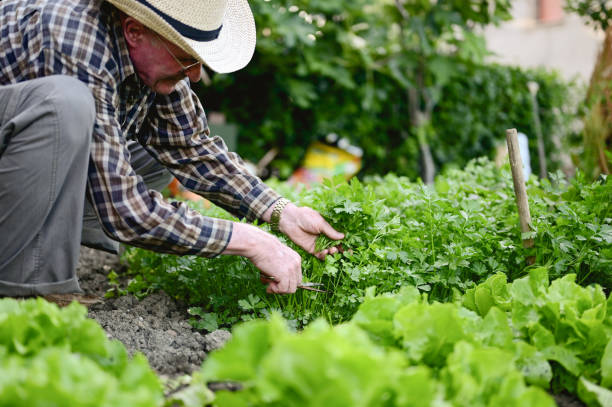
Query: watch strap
<point x="276" y="213"/>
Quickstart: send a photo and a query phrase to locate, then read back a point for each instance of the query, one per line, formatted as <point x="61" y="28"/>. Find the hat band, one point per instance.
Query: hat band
<point x="184" y="29"/>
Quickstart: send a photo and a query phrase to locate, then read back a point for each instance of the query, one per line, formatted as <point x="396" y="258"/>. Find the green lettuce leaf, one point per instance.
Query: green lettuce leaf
<point x="606" y="366"/>
<point x="240" y="358"/>
<point x="594" y="395"/>
<point x="493" y="292"/>
<point x="376" y="314"/>
<point x="478" y="376"/>
<point x="328" y="366"/>
<point x="56" y="377"/>
<point x="428" y="332"/>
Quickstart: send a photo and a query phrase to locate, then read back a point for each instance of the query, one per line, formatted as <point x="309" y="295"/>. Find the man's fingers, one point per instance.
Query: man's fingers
<point x="283" y="287"/>
<point x="331" y="250"/>
<point x="280" y="266"/>
<point x="273" y="288"/>
<point x="298" y="275"/>
<point x="321" y="255"/>
<point x="330" y="232"/>
<point x="285" y="282"/>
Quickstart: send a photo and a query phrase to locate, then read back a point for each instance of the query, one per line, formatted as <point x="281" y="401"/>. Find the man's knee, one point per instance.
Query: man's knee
<point x="71" y="100"/>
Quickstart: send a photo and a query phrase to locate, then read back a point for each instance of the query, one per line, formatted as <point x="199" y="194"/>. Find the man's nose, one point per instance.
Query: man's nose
<point x="195" y="74"/>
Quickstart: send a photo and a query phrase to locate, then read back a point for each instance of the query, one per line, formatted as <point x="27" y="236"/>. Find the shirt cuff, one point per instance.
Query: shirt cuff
<point x="215" y="237"/>
<point x="258" y="201"/>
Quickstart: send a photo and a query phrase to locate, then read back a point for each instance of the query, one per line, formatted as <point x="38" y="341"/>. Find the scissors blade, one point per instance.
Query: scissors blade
<point x="308" y="285"/>
<point x="310" y="288"/>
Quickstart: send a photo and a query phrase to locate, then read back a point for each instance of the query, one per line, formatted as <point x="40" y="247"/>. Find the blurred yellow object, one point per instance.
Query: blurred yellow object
<point x="325" y="161"/>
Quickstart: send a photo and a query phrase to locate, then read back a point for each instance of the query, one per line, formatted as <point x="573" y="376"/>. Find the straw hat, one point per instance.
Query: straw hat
<point x="219" y="33"/>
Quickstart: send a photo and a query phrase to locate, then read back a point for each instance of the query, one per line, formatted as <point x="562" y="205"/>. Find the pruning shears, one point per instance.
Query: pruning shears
<point x="308" y="285"/>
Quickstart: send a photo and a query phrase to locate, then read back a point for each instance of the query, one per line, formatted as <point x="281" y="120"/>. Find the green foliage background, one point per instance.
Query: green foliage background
<point x="342" y="67"/>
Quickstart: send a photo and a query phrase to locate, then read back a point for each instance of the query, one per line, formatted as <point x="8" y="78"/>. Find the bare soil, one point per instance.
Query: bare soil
<point x="156" y="326"/>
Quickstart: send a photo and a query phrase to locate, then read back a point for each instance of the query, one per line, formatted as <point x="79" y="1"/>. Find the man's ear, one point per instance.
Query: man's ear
<point x="133" y="31"/>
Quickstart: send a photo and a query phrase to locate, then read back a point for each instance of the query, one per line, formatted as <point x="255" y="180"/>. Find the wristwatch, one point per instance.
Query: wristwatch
<point x="276" y="213"/>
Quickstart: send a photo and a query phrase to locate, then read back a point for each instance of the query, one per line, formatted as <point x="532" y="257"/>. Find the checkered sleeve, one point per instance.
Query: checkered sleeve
<point x="178" y="136"/>
<point x="128" y="210"/>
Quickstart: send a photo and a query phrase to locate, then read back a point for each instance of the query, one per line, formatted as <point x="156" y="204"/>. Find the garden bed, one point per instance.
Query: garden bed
<point x="457" y="248"/>
<point x="434" y="287"/>
<point x="157" y="325"/>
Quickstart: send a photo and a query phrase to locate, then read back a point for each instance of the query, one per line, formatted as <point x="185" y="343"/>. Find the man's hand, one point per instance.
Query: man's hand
<point x="303" y="225"/>
<point x="269" y="255"/>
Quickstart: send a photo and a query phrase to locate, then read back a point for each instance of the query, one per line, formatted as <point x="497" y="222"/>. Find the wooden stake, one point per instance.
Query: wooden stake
<point x="519" y="186"/>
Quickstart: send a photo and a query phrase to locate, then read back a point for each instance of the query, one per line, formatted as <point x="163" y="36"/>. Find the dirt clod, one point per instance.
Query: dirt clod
<point x="216" y="339"/>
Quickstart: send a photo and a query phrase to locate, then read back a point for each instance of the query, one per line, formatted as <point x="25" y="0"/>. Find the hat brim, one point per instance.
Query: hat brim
<point x="230" y="51"/>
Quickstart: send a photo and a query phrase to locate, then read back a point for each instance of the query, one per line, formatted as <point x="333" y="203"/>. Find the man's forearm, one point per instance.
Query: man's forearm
<point x="244" y="240"/>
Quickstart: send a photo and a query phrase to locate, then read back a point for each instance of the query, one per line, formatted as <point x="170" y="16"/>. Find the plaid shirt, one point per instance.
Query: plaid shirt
<point x="83" y="39"/>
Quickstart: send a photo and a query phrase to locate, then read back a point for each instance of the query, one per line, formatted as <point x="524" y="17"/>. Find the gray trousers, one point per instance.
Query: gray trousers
<point x="46" y="127"/>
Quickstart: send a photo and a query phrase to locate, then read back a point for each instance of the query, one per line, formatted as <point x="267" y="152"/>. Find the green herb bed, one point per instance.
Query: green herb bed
<point x="443" y="240"/>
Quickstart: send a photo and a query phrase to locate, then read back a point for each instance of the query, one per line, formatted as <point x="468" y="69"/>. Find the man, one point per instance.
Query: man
<point x="95" y="101"/>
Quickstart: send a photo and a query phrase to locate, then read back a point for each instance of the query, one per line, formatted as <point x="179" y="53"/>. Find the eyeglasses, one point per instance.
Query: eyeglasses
<point x="184" y="69"/>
